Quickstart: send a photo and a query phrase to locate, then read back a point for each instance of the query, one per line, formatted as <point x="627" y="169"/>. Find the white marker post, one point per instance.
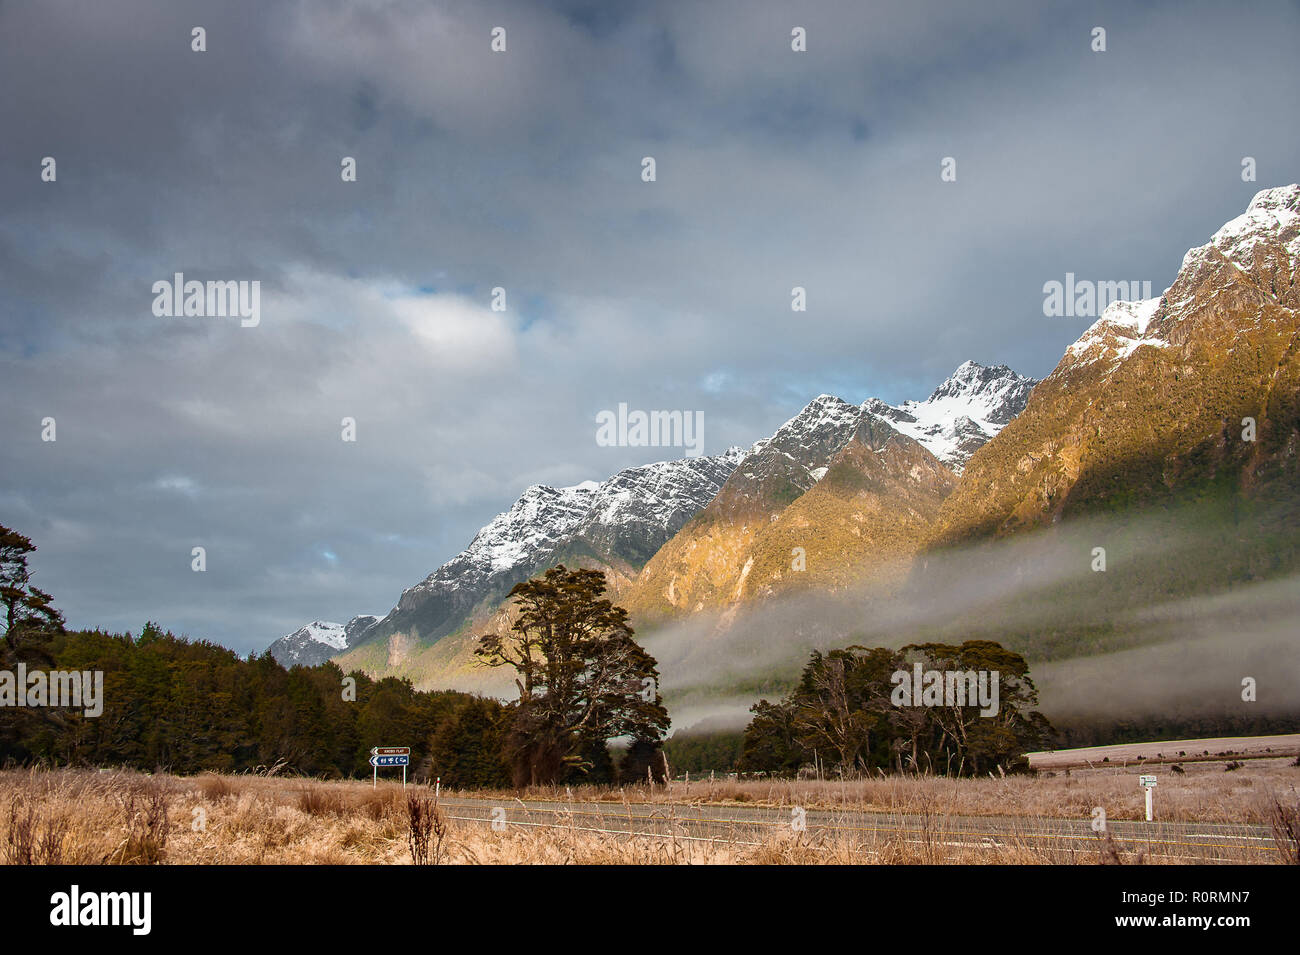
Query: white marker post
<point x="1148" y="783"/>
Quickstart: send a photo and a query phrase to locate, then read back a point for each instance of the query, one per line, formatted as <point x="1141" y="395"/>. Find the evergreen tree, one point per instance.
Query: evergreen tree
<point x="643" y="762"/>
<point x="28" y="614"/>
<point x="581" y="675"/>
<point x="468" y="746"/>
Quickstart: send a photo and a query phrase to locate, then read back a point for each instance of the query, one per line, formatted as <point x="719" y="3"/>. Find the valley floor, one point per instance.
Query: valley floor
<point x="1204" y="815"/>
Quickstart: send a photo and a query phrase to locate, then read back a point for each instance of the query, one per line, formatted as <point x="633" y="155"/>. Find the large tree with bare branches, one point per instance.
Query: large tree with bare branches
<point x="582" y="678"/>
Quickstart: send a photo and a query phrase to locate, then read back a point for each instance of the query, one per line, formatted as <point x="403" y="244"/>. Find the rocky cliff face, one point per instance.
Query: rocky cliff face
<point x="861" y="522"/>
<point x="712" y="508"/>
<point x="963" y="413"/>
<point x="890" y="466"/>
<point x="614" y="525"/>
<point x="1182" y="406"/>
<point x="1151" y="399"/>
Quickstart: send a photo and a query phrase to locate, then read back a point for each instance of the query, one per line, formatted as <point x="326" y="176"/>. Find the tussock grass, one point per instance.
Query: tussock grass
<point x="1203" y="792"/>
<point x="121" y="817"/>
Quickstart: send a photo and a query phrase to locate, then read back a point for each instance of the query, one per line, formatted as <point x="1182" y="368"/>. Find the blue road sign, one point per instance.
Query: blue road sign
<point x="390" y="760"/>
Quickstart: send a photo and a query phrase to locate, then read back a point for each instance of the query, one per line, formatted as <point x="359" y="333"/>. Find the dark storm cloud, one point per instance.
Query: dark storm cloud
<point x="522" y="170"/>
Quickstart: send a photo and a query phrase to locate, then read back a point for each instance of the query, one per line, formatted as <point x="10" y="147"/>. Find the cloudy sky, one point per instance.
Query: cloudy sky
<point x="522" y="170"/>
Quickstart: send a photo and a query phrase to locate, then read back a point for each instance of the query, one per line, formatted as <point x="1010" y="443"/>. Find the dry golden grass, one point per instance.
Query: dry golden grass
<point x="120" y="817"/>
<point x="1204" y="792"/>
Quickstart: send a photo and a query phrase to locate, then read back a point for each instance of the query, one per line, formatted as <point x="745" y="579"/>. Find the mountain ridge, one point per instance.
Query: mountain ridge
<point x="607" y="524"/>
<point x="319" y="640"/>
<point x="709" y="564"/>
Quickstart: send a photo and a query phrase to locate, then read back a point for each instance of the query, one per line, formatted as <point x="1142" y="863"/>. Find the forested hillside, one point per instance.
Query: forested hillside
<point x="189" y="706"/>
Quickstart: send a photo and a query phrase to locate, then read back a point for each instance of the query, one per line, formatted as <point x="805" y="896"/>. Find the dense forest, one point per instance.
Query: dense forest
<point x="701" y="750"/>
<point x="186" y="706"/>
<point x="189" y="706"/>
<point x="589" y="707"/>
<point x="845" y="717"/>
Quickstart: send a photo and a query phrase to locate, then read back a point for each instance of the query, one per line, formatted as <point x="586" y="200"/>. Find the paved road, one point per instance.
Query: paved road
<point x="1062" y="838"/>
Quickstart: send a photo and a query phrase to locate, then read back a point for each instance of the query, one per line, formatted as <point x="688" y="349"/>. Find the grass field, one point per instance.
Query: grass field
<point x="1216" y="749"/>
<point x="119" y="817"/>
<point x="1204" y="792"/>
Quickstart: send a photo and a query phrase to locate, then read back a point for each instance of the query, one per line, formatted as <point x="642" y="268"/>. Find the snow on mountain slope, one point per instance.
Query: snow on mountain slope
<point x="636" y="510"/>
<point x="330" y="634"/>
<point x="1150" y="403"/>
<point x="1121" y="329"/>
<point x="652" y="496"/>
<point x="1262" y="241"/>
<point x="795" y="457"/>
<point x="776" y="500"/>
<point x="622" y="520"/>
<point x="963" y="413"/>
<point x="319" y="640"/>
<point x="1272" y="215"/>
<point x="541" y="517"/>
<point x="1270" y="225"/>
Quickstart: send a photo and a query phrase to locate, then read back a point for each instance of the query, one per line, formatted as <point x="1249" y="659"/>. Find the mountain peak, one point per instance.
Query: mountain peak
<point x="319" y="640"/>
<point x="824" y="403"/>
<point x="1141" y="408"/>
<point x="823" y="413"/>
<point x="1117" y="334"/>
<point x="1269" y="213"/>
<point x="1278" y="200"/>
<point x="620" y="522"/>
<point x="966" y="410"/>
<point x="971" y="378"/>
<point x="1271" y="220"/>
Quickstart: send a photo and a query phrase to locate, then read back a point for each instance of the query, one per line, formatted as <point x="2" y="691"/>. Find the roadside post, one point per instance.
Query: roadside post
<point x="389" y="756"/>
<point x="1148" y="783"/>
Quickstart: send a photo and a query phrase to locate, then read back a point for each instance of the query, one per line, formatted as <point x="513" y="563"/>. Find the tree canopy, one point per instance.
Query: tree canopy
<point x="582" y="678"/>
<point x="28" y="612"/>
<point x="842" y="718"/>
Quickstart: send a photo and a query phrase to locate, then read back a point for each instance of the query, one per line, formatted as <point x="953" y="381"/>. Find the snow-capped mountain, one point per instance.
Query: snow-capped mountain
<point x="1152" y="399"/>
<point x="793" y="459"/>
<point x="733" y="546"/>
<point x="621" y="524"/>
<point x="319" y="640"/>
<point x="1269" y="229"/>
<point x="1114" y="336"/>
<point x="962" y="414"/>
<point x="618" y="524"/>
<point x="636" y="510"/>
<point x="1250" y="247"/>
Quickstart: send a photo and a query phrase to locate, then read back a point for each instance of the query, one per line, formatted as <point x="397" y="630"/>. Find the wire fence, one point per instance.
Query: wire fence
<point x="1203" y="843"/>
